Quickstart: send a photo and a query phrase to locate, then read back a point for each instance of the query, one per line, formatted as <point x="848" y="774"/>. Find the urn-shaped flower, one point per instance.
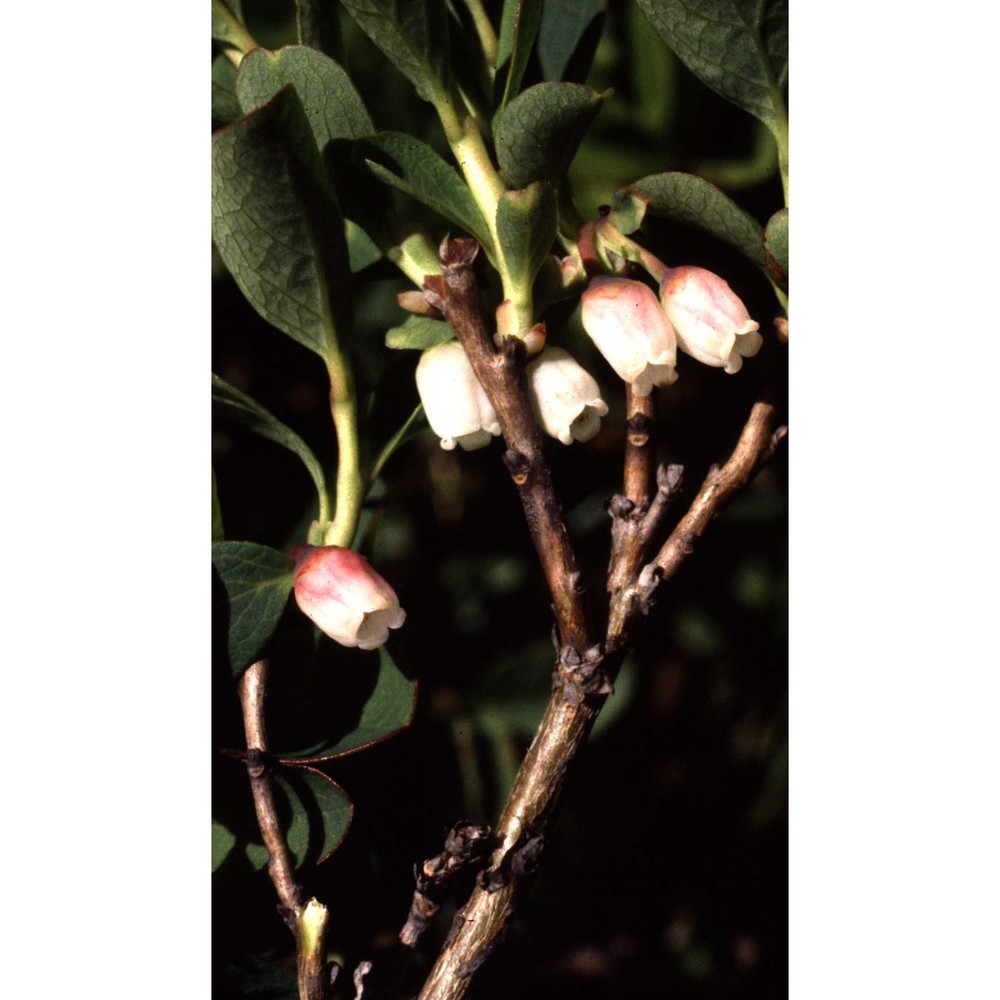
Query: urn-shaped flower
<point x="456" y="405"/>
<point x="565" y="398"/>
<point x="344" y="596"/>
<point x="710" y="320"/>
<point x="626" y="322"/>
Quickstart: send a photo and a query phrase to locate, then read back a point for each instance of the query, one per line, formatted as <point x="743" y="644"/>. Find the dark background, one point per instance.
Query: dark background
<point x="665" y="872"/>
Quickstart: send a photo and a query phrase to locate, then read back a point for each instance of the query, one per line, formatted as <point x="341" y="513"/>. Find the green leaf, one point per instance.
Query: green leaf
<point x="321" y="813"/>
<point x="225" y="104"/>
<point x="538" y="133"/>
<point x="418" y="333"/>
<point x="776" y="248"/>
<point x="276" y="223"/>
<point x="329" y="98"/>
<point x="739" y="48"/>
<point x="222" y="843"/>
<point x="315" y="814"/>
<point x="317" y="26"/>
<point x="361" y="249"/>
<point x="411" y="166"/>
<point x="228" y="25"/>
<point x="248" y="412"/>
<point x="256" y="581"/>
<point x="526" y="228"/>
<point x="690" y="200"/>
<point x="413" y="34"/>
<point x="518" y="30"/>
<point x="564" y="24"/>
<point x="218" y="534"/>
<point x="387" y="709"/>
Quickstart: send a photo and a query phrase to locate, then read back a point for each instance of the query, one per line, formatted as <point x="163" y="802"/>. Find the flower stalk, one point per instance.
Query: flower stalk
<point x="350" y="484"/>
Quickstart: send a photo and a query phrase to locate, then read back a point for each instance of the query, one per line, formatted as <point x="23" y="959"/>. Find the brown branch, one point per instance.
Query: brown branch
<point x="501" y="374"/>
<point x="253" y="690"/>
<point x="464" y="848"/>
<point x="584" y="670"/>
<point x="640" y="456"/>
<point x="306" y="919"/>
<point x="755" y="446"/>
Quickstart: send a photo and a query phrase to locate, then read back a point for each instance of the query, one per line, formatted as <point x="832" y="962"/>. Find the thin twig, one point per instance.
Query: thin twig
<point x="634" y="515"/>
<point x="465" y="847"/>
<point x="755" y="446"/>
<point x="253" y="690"/>
<point x="306" y="919"/>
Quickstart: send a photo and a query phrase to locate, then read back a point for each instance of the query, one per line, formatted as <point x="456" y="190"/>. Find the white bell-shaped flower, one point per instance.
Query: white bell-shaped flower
<point x="338" y="589"/>
<point x="456" y="405"/>
<point x="627" y="323"/>
<point x="710" y="320"/>
<point x="565" y="398"/>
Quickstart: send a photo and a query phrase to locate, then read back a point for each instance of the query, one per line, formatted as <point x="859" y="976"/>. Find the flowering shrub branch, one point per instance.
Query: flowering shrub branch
<point x="320" y="216"/>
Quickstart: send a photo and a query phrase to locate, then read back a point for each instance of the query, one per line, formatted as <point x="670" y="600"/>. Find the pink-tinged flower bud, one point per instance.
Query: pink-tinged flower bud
<point x="626" y="322"/>
<point x="344" y="596"/>
<point x="565" y="399"/>
<point x="712" y="323"/>
<point x="456" y="405"/>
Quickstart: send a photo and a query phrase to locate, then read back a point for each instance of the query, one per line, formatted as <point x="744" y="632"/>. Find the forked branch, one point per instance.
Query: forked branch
<point x="585" y="667"/>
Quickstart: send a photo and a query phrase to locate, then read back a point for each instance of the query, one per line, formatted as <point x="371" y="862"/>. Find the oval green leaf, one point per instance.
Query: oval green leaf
<point x="225" y="104"/>
<point x="329" y="98"/>
<point x="222" y="843"/>
<point x="321" y="814"/>
<point x="690" y="200"/>
<point x="276" y="223"/>
<point x="411" y="166"/>
<point x="739" y="48"/>
<point x="538" y="133"/>
<point x="315" y="814"/>
<point x="255" y="581"/>
<point x="413" y="35"/>
<point x="565" y="23"/>
<point x="389" y="703"/>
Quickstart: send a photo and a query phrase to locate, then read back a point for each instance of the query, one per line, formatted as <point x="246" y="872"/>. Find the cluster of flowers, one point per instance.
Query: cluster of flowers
<point x="637" y="333"/>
